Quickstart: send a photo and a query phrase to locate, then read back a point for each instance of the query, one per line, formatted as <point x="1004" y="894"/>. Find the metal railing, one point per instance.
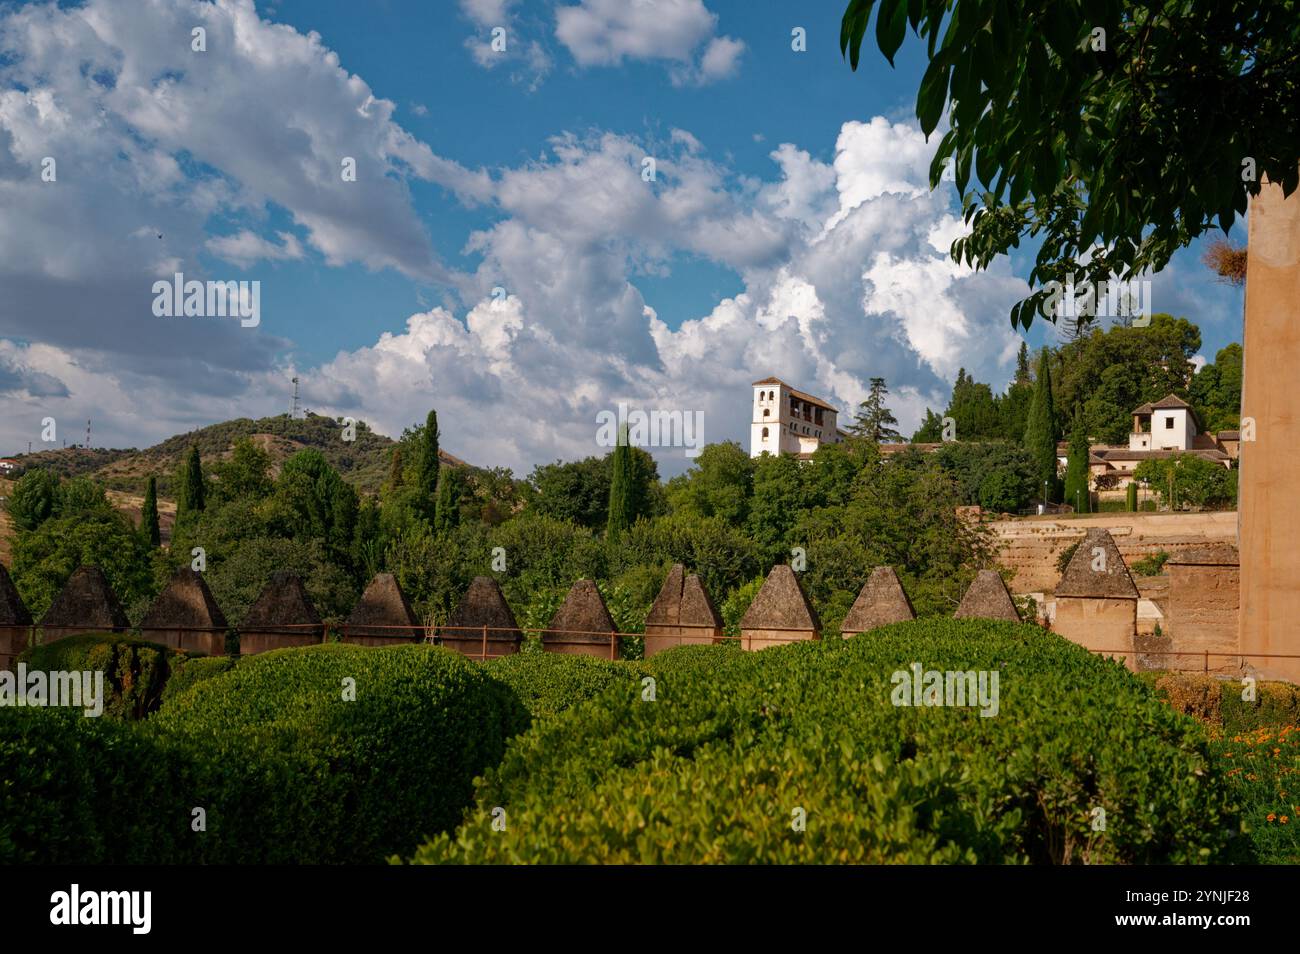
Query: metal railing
<point x="1204" y="654"/>
<point x="436" y="633"/>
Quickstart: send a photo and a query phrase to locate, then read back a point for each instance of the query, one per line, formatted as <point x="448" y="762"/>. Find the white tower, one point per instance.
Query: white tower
<point x="788" y="421"/>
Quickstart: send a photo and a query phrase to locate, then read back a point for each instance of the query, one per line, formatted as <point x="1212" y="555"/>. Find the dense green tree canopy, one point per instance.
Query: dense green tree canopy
<point x="1115" y="130"/>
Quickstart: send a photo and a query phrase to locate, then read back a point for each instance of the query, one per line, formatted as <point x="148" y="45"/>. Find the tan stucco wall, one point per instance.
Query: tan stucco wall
<point x="211" y="642"/>
<point x="13" y="640"/>
<point x="1098" y="624"/>
<point x="1202" y="617"/>
<point x="495" y="647"/>
<point x="1270" y="517"/>
<point x="658" y="638"/>
<point x="251" y="643"/>
<point x="1031" y="546"/>
<point x="599" y="650"/>
<point x="753" y="640"/>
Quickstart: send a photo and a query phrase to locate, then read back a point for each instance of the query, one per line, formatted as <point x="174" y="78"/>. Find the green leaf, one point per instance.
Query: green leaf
<point x="932" y="96"/>
<point x="852" y="28"/>
<point x="891" y="25"/>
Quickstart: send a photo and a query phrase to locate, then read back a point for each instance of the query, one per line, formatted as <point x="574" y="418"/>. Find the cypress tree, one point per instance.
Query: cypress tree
<point x="193" y="492"/>
<point x="620" y="489"/>
<point x="1132" y="496"/>
<point x="1076" y="468"/>
<point x="427" y="466"/>
<point x="149" y="515"/>
<point x="395" y="468"/>
<point x="448" y="511"/>
<point x="1042" y="430"/>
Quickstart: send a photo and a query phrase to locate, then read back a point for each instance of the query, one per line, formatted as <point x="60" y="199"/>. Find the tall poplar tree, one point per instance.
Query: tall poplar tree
<point x="620" y="489"/>
<point x="149" y="515"/>
<point x="1042" y="431"/>
<point x="1076" y="467"/>
<point x="427" y="467"/>
<point x="193" y="492"/>
<point x="449" y="494"/>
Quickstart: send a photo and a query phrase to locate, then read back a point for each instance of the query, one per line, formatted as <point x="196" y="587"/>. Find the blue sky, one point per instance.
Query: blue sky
<point x="788" y="230"/>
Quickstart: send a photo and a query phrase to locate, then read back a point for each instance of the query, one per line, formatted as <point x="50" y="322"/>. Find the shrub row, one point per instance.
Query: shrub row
<point x="548" y="683"/>
<point x="287" y="762"/>
<point x="189" y="671"/>
<point x="1220" y="702"/>
<point x="1081" y="763"/>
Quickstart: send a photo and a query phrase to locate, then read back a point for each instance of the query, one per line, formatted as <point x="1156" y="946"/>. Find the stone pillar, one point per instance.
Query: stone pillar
<point x="1268" y="514"/>
<point x="1204" y="587"/>
<point x="1096" y="600"/>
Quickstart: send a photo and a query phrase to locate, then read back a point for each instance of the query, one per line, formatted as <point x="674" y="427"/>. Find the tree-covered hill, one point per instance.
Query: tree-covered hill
<point x="363" y="462"/>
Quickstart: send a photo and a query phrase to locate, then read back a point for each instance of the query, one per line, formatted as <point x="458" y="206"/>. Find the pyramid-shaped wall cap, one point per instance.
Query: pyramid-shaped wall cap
<point x="13" y="611"/>
<point x="185" y="603"/>
<point x="86" y="601"/>
<point x="482" y="605"/>
<point x="781" y="604"/>
<point x="383" y="604"/>
<point x="1097" y="570"/>
<point x="987" y="598"/>
<point x="882" y="601"/>
<point x="283" y="602"/>
<point x="666" y="609"/>
<point x="582" y="616"/>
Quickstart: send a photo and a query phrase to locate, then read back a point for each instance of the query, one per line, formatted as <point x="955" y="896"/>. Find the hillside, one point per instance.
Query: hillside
<point x="363" y="462"/>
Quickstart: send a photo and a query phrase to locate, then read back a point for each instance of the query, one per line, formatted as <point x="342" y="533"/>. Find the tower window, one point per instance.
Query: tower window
<point x="765" y="433"/>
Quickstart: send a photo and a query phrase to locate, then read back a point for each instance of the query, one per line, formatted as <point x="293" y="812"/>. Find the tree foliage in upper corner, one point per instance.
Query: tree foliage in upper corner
<point x="1117" y="130"/>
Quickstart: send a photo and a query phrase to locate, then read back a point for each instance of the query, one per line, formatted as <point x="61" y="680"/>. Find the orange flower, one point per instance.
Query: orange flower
<point x="1284" y="819"/>
<point x="1272" y="817"/>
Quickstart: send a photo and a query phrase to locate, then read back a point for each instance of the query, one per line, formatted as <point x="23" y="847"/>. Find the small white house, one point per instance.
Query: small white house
<point x="8" y="466"/>
<point x="789" y="421"/>
<point x="1167" y="424"/>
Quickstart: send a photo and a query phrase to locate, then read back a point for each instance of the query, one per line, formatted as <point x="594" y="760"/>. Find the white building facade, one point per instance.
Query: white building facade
<point x="1167" y="424"/>
<point x="789" y="421"/>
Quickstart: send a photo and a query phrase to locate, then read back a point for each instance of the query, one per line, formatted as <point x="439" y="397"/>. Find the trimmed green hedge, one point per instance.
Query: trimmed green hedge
<point x="734" y="751"/>
<point x="135" y="670"/>
<point x="189" y="671"/>
<point x="285" y="767"/>
<point x="75" y="790"/>
<point x="1219" y="702"/>
<point x="548" y="683"/>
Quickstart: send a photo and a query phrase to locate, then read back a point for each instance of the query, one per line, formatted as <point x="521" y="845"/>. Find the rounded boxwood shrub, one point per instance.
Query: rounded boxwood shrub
<point x="286" y="761"/>
<point x="338" y="753"/>
<point x="75" y="790"/>
<point x="799" y="754"/>
<point x="135" y="670"/>
<point x="189" y="671"/>
<point x="548" y="683"/>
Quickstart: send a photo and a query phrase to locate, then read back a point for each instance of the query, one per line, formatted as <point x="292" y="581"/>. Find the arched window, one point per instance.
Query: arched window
<point x="767" y="411"/>
<point x="765" y="433"/>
